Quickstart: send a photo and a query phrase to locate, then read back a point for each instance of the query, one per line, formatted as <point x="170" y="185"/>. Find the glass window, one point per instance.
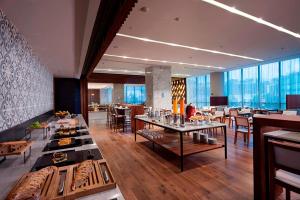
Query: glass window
<point x="198" y="90"/>
<point x="289" y="79"/>
<point x="134" y="94"/>
<point x="263" y="86"/>
<point x="225" y="83"/>
<point x="235" y="88"/>
<point x="191" y="90"/>
<point x="269" y="86"/>
<point x="250" y="87"/>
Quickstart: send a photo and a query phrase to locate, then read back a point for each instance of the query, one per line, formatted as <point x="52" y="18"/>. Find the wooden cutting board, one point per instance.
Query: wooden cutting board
<point x="96" y="182"/>
<point x="46" y="191"/>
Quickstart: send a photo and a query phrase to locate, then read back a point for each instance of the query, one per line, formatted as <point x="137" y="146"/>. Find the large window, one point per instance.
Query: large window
<point x="134" y="94"/>
<point x="250" y="87"/>
<point x="234" y="81"/>
<point x="198" y="90"/>
<point x="269" y="86"/>
<point x="289" y="79"/>
<point x="263" y="86"/>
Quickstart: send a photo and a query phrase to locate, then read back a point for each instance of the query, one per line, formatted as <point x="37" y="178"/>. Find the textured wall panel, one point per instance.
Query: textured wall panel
<point x="26" y="87"/>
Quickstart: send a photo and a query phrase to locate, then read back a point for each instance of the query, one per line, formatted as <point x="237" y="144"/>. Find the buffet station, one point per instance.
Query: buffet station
<point x="69" y="166"/>
<point x="171" y="132"/>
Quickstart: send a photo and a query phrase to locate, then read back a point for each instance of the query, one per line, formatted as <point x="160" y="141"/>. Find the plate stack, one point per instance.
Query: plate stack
<point x="212" y="140"/>
<point x="203" y="137"/>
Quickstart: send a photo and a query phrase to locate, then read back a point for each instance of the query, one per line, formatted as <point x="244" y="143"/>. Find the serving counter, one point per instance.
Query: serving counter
<point x="13" y="169"/>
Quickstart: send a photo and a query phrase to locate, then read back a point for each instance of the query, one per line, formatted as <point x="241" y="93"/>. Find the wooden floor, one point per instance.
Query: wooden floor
<point x="144" y="174"/>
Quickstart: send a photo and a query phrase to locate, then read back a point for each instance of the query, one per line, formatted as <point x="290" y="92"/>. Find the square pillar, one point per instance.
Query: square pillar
<point x="158" y="87"/>
<point x="217" y="83"/>
<point x="118" y="93"/>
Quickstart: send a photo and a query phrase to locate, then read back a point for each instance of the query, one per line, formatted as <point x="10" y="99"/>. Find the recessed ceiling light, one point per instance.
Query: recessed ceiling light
<point x="251" y="17"/>
<point x="187" y="47"/>
<point x="177" y="19"/>
<point x="163" y="61"/>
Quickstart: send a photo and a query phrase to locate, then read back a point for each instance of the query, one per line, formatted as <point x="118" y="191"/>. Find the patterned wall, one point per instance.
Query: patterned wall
<point x="179" y="89"/>
<point x="26" y="86"/>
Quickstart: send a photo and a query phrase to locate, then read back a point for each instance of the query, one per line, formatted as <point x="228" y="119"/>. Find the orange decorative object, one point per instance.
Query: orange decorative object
<point x="182" y="107"/>
<point x="175" y="108"/>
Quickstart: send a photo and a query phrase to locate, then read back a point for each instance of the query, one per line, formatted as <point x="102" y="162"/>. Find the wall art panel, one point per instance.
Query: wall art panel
<point x="26" y="86"/>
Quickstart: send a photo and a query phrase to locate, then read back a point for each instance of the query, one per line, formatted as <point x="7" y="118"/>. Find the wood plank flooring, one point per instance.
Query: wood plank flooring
<point x="144" y="174"/>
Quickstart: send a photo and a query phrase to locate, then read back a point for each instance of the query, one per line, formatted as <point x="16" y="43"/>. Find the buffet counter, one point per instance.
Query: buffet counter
<point x="43" y="149"/>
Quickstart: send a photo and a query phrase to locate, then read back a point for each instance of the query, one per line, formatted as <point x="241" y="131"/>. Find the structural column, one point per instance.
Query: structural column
<point x="217" y="83"/>
<point x="118" y="93"/>
<point x="158" y="87"/>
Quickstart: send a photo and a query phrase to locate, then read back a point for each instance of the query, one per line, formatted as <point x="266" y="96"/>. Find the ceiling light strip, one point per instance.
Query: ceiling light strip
<point x="187" y="47"/>
<point x="162" y="61"/>
<point x="251" y="17"/>
<point x="120" y="70"/>
<point x="133" y="71"/>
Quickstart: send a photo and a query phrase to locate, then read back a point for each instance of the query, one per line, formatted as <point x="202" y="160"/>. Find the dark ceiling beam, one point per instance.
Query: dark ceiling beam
<point x="116" y="78"/>
<point x="110" y="17"/>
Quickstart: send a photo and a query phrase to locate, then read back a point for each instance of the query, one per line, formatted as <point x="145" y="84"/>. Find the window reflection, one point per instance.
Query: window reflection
<point x="134" y="94"/>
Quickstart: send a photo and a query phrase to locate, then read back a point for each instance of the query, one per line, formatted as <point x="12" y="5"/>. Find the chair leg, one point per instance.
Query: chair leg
<point x="235" y="137"/>
<point x="248" y="138"/>
<point x="287" y="194"/>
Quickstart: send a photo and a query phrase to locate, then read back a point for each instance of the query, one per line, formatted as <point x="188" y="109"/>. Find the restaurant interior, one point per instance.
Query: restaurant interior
<point x="149" y="99"/>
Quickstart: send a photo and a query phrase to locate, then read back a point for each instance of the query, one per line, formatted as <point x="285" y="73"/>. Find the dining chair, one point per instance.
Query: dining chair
<point x="127" y="119"/>
<point x="290" y="112"/>
<point x="246" y="110"/>
<point x="226" y="113"/>
<point x="219" y="117"/>
<point x="243" y="126"/>
<point x="213" y="110"/>
<point x="232" y="114"/>
<point x="118" y="120"/>
<point x="284" y="167"/>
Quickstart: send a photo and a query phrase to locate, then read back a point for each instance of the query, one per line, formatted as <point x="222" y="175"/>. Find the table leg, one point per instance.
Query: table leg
<point x="153" y="146"/>
<point x="181" y="151"/>
<point x="225" y="141"/>
<point x="44" y="133"/>
<point x="134" y="129"/>
<point x="25" y="159"/>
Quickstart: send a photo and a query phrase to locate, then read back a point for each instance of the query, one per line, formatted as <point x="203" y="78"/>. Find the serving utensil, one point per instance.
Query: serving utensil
<point x="61" y="186"/>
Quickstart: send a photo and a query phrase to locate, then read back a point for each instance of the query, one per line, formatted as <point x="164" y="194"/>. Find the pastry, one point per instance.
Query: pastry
<point x="64" y="141"/>
<point x="31" y="186"/>
<point x="82" y="173"/>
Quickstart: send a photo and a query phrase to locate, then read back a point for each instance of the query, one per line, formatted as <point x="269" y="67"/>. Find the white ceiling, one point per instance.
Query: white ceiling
<point x="205" y="26"/>
<point x="58" y="31"/>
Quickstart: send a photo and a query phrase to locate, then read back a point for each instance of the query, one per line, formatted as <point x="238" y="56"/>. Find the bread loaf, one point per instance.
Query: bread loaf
<point x="82" y="173"/>
<point x="31" y="186"/>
